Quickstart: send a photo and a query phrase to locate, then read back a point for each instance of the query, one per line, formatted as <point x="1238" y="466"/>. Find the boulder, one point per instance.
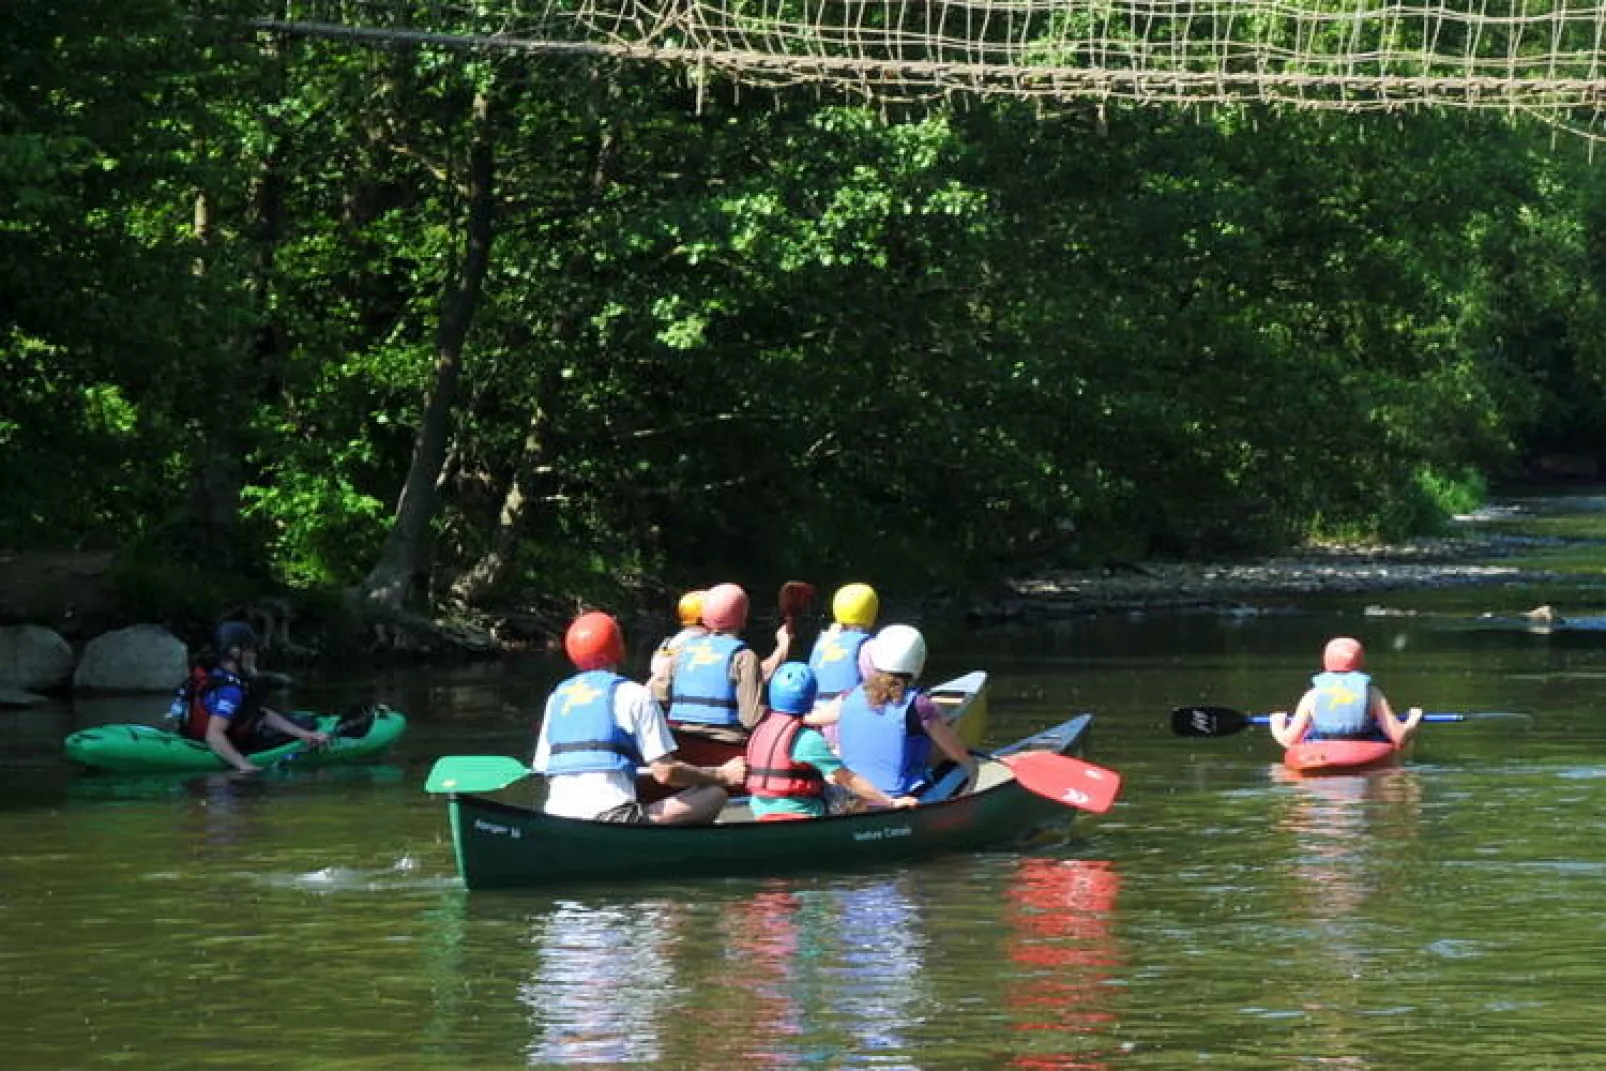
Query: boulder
<point x="142" y="658"/>
<point x="13" y="699"/>
<point x="33" y="658"/>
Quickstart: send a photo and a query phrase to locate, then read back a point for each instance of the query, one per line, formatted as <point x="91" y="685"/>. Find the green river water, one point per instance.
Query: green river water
<point x="1222" y="915"/>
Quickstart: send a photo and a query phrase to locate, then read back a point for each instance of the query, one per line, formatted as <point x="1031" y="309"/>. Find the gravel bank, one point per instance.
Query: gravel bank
<point x="1458" y="561"/>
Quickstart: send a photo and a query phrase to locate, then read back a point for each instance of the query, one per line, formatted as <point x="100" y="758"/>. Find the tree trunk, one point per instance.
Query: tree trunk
<point x="487" y="574"/>
<point x="490" y="571"/>
<point x="403" y="556"/>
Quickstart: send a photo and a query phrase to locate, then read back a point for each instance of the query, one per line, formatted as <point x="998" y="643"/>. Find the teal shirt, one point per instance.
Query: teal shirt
<point x="808" y="747"/>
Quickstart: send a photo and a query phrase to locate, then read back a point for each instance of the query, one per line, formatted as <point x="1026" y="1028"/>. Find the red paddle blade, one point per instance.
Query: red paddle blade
<point x="796" y="598"/>
<point x="1065" y="780"/>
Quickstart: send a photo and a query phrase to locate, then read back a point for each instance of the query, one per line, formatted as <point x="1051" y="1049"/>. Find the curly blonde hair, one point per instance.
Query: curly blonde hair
<point x="881" y="688"/>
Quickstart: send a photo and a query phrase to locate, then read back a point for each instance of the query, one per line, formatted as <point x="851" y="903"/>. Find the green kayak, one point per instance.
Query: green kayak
<point x="132" y="748"/>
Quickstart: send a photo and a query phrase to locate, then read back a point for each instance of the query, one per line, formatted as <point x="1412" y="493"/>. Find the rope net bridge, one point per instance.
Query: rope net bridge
<point x="1350" y="55"/>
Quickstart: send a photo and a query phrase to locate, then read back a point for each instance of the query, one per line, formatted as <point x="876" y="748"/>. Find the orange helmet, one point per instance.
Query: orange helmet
<point x="725" y="607"/>
<point x="1342" y="655"/>
<point x="594" y="641"/>
<point x="690" y="607"/>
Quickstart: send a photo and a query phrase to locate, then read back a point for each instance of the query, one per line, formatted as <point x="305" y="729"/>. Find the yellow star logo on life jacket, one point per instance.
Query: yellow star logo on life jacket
<point x="833" y="651"/>
<point x="1342" y="696"/>
<point x="703" y="654"/>
<point x="576" y="694"/>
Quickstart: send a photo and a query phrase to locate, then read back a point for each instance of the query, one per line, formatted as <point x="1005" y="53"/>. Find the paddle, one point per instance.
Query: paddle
<point x="796" y="599"/>
<point x="1064" y="780"/>
<point x="354" y="724"/>
<point x="1225" y="721"/>
<point x="474" y="773"/>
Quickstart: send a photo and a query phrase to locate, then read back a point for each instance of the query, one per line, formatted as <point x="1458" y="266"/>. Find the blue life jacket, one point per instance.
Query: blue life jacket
<point x="701" y="691"/>
<point x="880" y="744"/>
<point x="835" y="661"/>
<point x="581" y="733"/>
<point x="1343" y="707"/>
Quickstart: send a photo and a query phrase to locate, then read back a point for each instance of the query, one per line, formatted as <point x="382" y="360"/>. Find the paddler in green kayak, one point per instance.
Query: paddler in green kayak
<point x="226" y="714"/>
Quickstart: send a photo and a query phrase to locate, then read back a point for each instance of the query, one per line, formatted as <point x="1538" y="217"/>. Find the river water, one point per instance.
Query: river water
<point x="1221" y="915"/>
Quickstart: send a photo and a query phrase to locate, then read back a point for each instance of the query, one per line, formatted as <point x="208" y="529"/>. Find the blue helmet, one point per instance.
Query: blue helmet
<point x="793" y="688"/>
<point x="233" y="634"/>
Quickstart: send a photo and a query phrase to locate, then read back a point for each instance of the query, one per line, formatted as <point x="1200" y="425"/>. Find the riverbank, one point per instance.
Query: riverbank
<point x="1469" y="558"/>
<point x="66" y="588"/>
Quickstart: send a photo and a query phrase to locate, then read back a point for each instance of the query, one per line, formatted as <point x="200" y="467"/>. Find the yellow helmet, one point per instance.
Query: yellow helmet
<point x="856" y="605"/>
<point x="690" y="608"/>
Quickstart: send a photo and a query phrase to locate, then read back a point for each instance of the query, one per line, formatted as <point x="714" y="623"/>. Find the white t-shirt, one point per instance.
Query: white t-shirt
<point x="586" y="795"/>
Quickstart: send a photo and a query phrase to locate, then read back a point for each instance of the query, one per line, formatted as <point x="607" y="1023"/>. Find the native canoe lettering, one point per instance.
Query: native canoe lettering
<point x="884" y="833"/>
<point x="482" y="826"/>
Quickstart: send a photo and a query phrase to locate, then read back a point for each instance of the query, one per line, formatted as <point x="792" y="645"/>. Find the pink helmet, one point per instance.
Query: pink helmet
<point x="725" y="607"/>
<point x="1342" y="655"/>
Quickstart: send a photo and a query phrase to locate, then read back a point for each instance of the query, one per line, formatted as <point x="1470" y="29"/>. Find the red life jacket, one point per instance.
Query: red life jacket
<point x="194" y="691"/>
<point x="772" y="772"/>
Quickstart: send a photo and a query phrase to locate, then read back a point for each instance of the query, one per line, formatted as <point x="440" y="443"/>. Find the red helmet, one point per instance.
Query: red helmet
<point x="594" y="641"/>
<point x="725" y="607"/>
<point x="1342" y="655"/>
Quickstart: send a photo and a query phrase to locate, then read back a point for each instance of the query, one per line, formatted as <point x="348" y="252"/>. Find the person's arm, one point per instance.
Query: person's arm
<point x="660" y="667"/>
<point x="1398" y="731"/>
<point x="829" y="714"/>
<point x="783" y="647"/>
<point x="1289" y="730"/>
<point x="748" y="677"/>
<point x="669" y="770"/>
<point x="861" y="786"/>
<point x="645" y="722"/>
<point x="942" y="734"/>
<point x="217" y="738"/>
<point x="273" y="719"/>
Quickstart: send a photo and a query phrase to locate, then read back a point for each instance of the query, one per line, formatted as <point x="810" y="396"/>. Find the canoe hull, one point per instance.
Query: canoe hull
<point x="1341" y="756"/>
<point x="504" y="845"/>
<point x="134" y="748"/>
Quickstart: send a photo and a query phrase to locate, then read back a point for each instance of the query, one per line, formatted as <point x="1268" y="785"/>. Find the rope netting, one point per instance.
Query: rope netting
<point x="1331" y="54"/>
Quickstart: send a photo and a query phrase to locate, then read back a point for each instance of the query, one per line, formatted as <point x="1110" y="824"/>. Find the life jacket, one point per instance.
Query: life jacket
<point x="879" y="743"/>
<point x="581" y="732"/>
<point x="190" y="708"/>
<point x="835" y="661"/>
<point x="1342" y="708"/>
<point x="772" y="772"/>
<point x="701" y="691"/>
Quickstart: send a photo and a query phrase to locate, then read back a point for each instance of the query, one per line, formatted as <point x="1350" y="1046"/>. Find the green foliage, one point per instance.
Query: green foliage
<point x="771" y="336"/>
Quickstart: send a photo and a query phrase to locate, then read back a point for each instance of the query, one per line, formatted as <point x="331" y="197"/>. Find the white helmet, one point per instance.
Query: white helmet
<point x="898" y="649"/>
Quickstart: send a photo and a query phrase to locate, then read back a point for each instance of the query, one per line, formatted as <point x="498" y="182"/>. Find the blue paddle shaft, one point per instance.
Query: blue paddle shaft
<point x="1265" y="719"/>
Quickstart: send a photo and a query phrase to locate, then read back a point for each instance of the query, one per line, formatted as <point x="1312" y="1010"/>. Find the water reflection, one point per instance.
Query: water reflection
<point x="788" y="975"/>
<point x="876" y="981"/>
<point x="1059" y="943"/>
<point x="602" y="983"/>
<point x="1350" y="878"/>
<point x="1348" y="828"/>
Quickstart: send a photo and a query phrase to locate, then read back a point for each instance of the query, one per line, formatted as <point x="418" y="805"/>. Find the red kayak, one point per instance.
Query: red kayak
<point x="1341" y="756"/>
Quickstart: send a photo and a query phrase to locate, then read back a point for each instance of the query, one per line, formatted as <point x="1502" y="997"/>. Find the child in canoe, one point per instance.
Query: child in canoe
<point x="789" y="764"/>
<point x="1344" y="704"/>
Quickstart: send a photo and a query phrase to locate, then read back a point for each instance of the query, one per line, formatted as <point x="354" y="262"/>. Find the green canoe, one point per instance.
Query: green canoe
<point x="133" y="748"/>
<point x="505" y="845"/>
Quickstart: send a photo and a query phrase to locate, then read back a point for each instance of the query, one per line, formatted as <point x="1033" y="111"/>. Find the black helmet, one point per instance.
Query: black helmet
<point x="233" y="634"/>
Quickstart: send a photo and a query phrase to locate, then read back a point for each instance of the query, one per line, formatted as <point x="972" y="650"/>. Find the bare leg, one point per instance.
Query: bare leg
<point x="693" y="806"/>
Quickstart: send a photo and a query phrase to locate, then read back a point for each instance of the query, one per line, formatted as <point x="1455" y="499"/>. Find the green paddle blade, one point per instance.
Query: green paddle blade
<point x="474" y="773"/>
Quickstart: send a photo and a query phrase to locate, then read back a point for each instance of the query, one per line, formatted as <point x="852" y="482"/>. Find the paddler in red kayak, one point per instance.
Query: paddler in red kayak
<point x="1344" y="704"/>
